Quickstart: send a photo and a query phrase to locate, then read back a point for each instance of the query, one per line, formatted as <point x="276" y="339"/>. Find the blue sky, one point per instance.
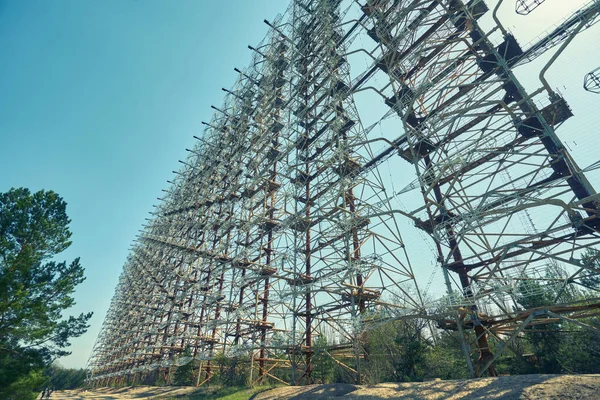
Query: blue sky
<point x="98" y="101"/>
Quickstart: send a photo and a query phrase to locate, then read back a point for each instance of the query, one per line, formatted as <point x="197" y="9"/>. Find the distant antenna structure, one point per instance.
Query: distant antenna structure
<point x="524" y="7"/>
<point x="591" y="82"/>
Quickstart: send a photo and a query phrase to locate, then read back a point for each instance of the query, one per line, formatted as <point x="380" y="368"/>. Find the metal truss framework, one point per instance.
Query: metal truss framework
<point x="279" y="239"/>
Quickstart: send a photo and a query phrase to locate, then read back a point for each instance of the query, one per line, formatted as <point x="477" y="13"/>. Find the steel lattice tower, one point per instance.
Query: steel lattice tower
<point x="280" y="239"/>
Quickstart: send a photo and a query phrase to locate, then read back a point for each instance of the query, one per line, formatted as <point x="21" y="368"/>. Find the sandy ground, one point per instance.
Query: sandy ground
<point x="542" y="387"/>
<point x="142" y="392"/>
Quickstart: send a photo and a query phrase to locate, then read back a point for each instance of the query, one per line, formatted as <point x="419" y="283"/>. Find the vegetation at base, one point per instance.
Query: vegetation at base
<point x="412" y="350"/>
<point x="184" y="375"/>
<point x="62" y="378"/>
<point x="34" y="290"/>
<point x="227" y="393"/>
<point x="415" y="350"/>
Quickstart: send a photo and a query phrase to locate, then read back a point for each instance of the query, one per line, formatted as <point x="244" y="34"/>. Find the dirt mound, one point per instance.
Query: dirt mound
<point x="542" y="387"/>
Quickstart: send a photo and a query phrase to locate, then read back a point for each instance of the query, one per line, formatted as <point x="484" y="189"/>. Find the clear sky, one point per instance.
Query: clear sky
<point x="99" y="99"/>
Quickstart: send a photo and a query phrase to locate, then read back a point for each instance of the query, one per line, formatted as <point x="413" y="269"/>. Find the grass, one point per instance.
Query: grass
<point x="225" y="393"/>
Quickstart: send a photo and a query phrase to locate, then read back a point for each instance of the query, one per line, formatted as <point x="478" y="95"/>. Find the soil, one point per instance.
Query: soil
<point x="542" y="387"/>
<point x="127" y="392"/>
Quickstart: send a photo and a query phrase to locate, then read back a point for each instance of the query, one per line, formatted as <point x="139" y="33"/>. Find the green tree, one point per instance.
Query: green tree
<point x="323" y="364"/>
<point x="398" y="352"/>
<point x="445" y="359"/>
<point x="545" y="340"/>
<point x="560" y="346"/>
<point x="580" y="349"/>
<point x="185" y="369"/>
<point x="34" y="289"/>
<point x="62" y="378"/>
<point x="590" y="278"/>
<point x="412" y="345"/>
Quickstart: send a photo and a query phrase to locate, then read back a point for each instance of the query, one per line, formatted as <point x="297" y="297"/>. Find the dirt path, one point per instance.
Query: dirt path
<point x="143" y="392"/>
<point x="542" y="387"/>
<point x="530" y="387"/>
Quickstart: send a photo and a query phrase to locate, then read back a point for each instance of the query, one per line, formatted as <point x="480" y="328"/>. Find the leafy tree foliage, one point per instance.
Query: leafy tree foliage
<point x="560" y="346"/>
<point x="62" y="378"/>
<point x="323" y="364"/>
<point x="398" y="351"/>
<point x="580" y="349"/>
<point x="444" y="359"/>
<point x="591" y="259"/>
<point x="34" y="288"/>
<point x="407" y="351"/>
<point x="545" y="343"/>
<point x="184" y="375"/>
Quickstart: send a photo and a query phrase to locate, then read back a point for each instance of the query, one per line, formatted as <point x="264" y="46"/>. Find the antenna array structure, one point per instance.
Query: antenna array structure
<point x="279" y="240"/>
